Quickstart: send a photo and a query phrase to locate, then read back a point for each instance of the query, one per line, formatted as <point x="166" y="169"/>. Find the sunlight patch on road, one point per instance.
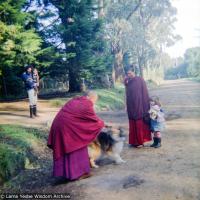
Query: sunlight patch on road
<point x="184" y="124"/>
<point x="182" y="106"/>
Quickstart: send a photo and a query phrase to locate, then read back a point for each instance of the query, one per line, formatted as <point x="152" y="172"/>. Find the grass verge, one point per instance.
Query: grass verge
<point x="112" y="99"/>
<point x="19" y="149"/>
<point x="109" y="99"/>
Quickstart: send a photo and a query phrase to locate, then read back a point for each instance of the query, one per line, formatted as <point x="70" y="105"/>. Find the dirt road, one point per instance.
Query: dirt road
<point x="171" y="172"/>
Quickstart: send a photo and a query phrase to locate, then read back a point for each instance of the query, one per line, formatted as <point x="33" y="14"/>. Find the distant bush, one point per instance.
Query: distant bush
<point x="176" y="72"/>
<point x="57" y="102"/>
<point x="151" y="83"/>
<point x="192" y="59"/>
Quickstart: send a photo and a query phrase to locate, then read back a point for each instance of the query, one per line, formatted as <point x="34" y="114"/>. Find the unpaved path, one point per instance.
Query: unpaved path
<point x="171" y="172"/>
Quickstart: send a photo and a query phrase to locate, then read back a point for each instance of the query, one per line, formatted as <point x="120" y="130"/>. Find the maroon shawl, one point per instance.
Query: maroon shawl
<point x="137" y="98"/>
<point x="75" y="126"/>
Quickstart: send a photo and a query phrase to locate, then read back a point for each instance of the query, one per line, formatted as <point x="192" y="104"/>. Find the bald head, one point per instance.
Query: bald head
<point x="91" y="95"/>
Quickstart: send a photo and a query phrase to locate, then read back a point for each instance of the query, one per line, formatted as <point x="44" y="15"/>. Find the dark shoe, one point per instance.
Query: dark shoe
<point x="35" y="110"/>
<point x="155" y="142"/>
<point x="158" y="144"/>
<point x="31" y="112"/>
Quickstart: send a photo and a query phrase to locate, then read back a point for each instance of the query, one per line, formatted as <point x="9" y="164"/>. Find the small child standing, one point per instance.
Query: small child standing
<point x="36" y="80"/>
<point x="36" y="85"/>
<point x="157" y="121"/>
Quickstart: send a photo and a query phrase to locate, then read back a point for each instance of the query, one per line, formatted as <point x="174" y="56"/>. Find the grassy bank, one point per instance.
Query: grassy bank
<point x="112" y="99"/>
<point x="19" y="149"/>
<point x="197" y="79"/>
<point x="109" y="99"/>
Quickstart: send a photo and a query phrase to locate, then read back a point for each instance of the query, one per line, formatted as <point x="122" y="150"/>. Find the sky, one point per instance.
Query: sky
<point x="187" y="26"/>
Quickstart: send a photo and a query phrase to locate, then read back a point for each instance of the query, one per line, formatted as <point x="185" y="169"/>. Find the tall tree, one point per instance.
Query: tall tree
<point x="118" y="14"/>
<point x="80" y="32"/>
<point x="142" y="28"/>
<point x="18" y="45"/>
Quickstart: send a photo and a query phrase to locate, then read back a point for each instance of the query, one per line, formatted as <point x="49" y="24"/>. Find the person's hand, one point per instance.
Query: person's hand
<point x="126" y="80"/>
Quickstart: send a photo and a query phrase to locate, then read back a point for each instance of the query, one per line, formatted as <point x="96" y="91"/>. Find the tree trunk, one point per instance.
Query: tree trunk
<point x="141" y="71"/>
<point x="118" y="66"/>
<point x="140" y="68"/>
<point x="113" y="76"/>
<point x="4" y="86"/>
<point x="74" y="83"/>
<point x="101" y="9"/>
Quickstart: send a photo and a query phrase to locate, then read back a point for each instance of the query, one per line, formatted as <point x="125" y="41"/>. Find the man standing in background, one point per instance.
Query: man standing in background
<point x="137" y="101"/>
<point x="30" y="86"/>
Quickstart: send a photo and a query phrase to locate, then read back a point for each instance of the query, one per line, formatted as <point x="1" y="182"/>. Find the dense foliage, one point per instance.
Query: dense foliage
<point x="90" y="41"/>
<point x="189" y="66"/>
<point x="18" y="45"/>
<point x="18" y="149"/>
<point x="82" y="36"/>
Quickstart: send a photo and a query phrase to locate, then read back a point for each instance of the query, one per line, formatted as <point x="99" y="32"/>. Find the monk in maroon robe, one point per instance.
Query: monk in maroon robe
<point x="137" y="100"/>
<point x="74" y="127"/>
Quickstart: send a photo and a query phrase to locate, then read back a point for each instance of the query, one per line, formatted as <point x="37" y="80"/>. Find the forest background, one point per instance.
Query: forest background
<point x="90" y="43"/>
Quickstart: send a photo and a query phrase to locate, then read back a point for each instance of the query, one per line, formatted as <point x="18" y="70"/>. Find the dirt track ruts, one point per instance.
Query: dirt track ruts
<point x="171" y="172"/>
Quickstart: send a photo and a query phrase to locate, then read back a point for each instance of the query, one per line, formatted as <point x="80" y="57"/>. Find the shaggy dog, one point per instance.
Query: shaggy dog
<point x="109" y="142"/>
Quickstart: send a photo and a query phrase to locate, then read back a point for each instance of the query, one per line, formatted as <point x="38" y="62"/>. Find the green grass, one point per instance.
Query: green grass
<point x="109" y="99"/>
<point x="11" y="161"/>
<point x="17" y="146"/>
<point x="112" y="99"/>
<point x="58" y="102"/>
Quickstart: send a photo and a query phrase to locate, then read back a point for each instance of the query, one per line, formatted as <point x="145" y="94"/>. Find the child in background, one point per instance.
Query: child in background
<point x="157" y="121"/>
<point x="36" y="80"/>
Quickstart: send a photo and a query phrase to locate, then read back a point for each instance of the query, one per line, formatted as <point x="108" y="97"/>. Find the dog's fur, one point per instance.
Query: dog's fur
<point x="110" y="142"/>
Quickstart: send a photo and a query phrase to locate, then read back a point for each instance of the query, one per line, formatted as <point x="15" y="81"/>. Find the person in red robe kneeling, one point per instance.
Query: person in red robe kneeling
<point x="74" y="127"/>
<point x="137" y="101"/>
